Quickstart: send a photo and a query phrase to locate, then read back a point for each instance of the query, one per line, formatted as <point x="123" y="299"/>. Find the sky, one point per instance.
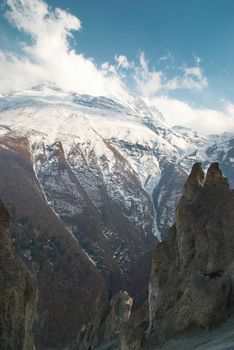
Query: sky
<point x="176" y="54"/>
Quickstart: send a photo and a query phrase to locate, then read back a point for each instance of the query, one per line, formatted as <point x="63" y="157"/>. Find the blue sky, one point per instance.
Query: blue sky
<point x="163" y="50"/>
<point x="184" y="28"/>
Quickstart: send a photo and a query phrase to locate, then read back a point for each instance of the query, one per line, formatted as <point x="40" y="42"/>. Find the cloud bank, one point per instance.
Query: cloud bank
<point x="149" y="82"/>
<point x="206" y="121"/>
<point x="48" y="57"/>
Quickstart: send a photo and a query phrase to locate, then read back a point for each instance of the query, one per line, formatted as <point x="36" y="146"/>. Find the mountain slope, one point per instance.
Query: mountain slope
<point x="49" y="249"/>
<point x="98" y="136"/>
<point x="99" y="172"/>
<point x="191" y="283"/>
<point x="18" y="293"/>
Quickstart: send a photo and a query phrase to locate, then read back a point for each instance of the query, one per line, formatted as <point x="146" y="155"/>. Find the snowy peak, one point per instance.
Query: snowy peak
<point x="100" y="102"/>
<point x="112" y="172"/>
<point x="105" y="135"/>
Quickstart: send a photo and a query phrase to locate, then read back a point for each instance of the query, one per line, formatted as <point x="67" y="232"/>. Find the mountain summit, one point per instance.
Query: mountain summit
<point x="97" y="179"/>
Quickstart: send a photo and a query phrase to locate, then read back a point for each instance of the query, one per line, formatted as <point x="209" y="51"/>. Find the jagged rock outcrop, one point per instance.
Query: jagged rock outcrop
<point x="107" y="329"/>
<point x="18" y="294"/>
<point x="191" y="278"/>
<point x="193" y="270"/>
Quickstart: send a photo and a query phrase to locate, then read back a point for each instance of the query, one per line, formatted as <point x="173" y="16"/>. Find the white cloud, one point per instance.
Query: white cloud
<point x="167" y="57"/>
<point x="192" y="79"/>
<point x="197" y="60"/>
<point x="108" y="68"/>
<point x="204" y="120"/>
<point x="151" y="81"/>
<point x="148" y="82"/>
<point x="122" y="61"/>
<point x="115" y="69"/>
<point x="50" y="58"/>
<point x="35" y="18"/>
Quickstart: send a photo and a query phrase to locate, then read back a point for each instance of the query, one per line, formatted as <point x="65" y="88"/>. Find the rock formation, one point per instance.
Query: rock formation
<point x="87" y="196"/>
<point x="17" y="294"/>
<point x="193" y="270"/>
<point x="192" y="273"/>
<point x="107" y="328"/>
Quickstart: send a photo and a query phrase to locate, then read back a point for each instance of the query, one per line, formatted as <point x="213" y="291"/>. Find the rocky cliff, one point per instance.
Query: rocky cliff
<point x="106" y="330"/>
<point x="193" y="270"/>
<point x="18" y="294"/>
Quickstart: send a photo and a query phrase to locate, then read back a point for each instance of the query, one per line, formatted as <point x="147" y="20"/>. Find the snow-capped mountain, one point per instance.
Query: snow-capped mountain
<point x="88" y="152"/>
<point x="125" y="149"/>
<point x="104" y="173"/>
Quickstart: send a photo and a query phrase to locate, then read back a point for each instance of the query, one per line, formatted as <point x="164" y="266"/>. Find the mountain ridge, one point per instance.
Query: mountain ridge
<point x="109" y="177"/>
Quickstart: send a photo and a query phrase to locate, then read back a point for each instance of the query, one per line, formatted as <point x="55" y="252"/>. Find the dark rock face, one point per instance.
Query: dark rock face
<point x="18" y="294"/>
<point x="191" y="278"/>
<point x="224" y="154"/>
<point x="192" y="272"/>
<point x="106" y="331"/>
<point x="70" y="288"/>
<point x="167" y="194"/>
<point x="80" y="195"/>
